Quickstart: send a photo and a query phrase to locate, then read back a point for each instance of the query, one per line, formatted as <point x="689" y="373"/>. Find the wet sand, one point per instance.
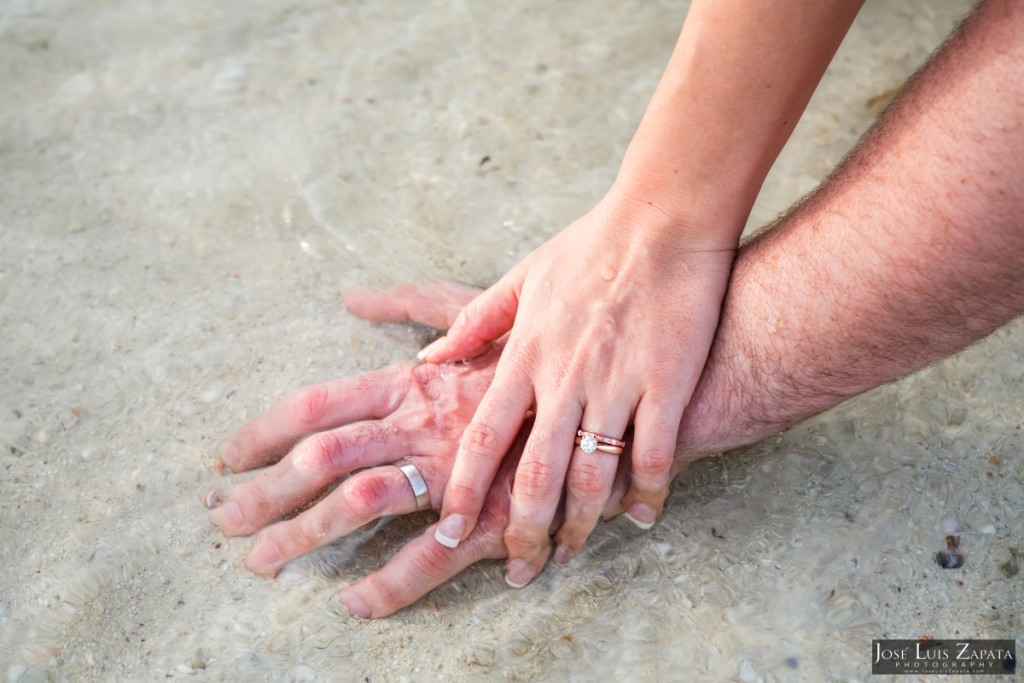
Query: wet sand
<point x="187" y="191"/>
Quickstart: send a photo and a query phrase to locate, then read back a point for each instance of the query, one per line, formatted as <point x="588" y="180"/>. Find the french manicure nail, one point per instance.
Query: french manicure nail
<point x="562" y="555"/>
<point x="425" y="351"/>
<point x="354" y="603"/>
<point x="211" y="499"/>
<point x="229" y="455"/>
<point x="518" y="573"/>
<point x="449" y="532"/>
<point x="641" y="514"/>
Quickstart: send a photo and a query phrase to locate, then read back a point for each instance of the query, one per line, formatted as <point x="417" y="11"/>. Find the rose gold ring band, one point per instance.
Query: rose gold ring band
<point x="591" y="441"/>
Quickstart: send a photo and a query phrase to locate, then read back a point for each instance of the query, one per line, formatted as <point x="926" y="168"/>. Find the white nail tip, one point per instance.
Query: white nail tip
<point x="642" y="525"/>
<point x="514" y="584"/>
<point x="444" y="540"/>
<point x="422" y="355"/>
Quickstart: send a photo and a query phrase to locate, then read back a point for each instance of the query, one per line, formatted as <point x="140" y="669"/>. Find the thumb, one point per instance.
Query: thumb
<point x="483" y="320"/>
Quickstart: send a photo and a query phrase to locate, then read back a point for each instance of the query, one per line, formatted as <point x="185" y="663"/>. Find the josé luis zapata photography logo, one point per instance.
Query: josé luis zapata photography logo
<point x="957" y="656"/>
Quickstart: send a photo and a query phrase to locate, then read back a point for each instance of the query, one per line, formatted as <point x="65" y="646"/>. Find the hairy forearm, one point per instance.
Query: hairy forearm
<point x="738" y="80"/>
<point x="913" y="250"/>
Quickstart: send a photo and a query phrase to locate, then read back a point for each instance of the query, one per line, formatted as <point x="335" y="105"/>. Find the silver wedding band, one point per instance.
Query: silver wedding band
<point x="419" y="487"/>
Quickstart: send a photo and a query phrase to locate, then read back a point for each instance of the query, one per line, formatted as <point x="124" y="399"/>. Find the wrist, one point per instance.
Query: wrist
<point x="680" y="216"/>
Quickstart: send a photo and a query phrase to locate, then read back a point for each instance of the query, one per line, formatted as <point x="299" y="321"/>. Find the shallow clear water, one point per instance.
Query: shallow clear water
<point x="186" y="191"/>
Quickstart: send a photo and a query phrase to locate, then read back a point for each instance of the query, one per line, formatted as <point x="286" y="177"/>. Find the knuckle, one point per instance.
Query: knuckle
<point x="427" y="379"/>
<point x="256" y="507"/>
<point x="366" y="495"/>
<point x="388" y="596"/>
<point x="535" y="480"/>
<point x="302" y="536"/>
<point x="308" y="406"/>
<point x="462" y="498"/>
<point x="431" y="560"/>
<point x="587" y="480"/>
<point x="521" y="541"/>
<point x="480" y="440"/>
<point x="654" y="496"/>
<point x="321" y="452"/>
<point x="655" y="460"/>
<point x="487" y="534"/>
<point x="665" y="373"/>
<point x="572" y="537"/>
<point x="317" y="527"/>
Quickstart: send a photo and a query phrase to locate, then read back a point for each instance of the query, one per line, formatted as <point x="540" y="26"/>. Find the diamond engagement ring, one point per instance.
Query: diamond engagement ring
<point x="419" y="487"/>
<point x="590" y="442"/>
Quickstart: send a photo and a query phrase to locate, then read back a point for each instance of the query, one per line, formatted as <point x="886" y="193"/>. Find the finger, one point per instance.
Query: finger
<point x="483" y="445"/>
<point x="435" y="304"/>
<point x="422" y="565"/>
<point x="482" y="321"/>
<point x="537" y="490"/>
<point x="655" y="430"/>
<point x="313" y="409"/>
<point x="589" y="481"/>
<point x="364" y="497"/>
<point x="613" y="505"/>
<point x="300" y="477"/>
<point x="414" y="571"/>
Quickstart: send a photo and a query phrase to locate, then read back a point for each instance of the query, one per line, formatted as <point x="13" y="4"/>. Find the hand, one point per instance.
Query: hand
<point x="611" y="322"/>
<point x="415" y="412"/>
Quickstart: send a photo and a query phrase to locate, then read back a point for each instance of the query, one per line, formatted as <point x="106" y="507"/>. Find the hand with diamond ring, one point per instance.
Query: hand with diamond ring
<point x="599" y="343"/>
<point x="610" y="322"/>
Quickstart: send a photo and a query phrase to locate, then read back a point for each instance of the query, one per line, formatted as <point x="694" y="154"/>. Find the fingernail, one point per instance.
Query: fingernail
<point x="425" y="351"/>
<point x="519" y="573"/>
<point x="354" y="603"/>
<point x="211" y="499"/>
<point x="265" y="555"/>
<point x="229" y="455"/>
<point x="562" y="555"/>
<point x="641" y="514"/>
<point x="228" y="517"/>
<point x="449" y="532"/>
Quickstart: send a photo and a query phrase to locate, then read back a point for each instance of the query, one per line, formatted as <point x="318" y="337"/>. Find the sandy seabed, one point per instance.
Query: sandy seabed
<point x="186" y="191"/>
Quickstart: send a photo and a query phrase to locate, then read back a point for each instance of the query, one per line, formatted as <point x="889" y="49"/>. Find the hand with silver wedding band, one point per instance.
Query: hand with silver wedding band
<point x="390" y="436"/>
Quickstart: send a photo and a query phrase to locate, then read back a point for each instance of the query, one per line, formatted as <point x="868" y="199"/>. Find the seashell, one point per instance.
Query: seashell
<point x="233" y="79"/>
<point x="949" y="559"/>
<point x="841" y="610"/>
<point x="481" y="654"/>
<point x="201" y="658"/>
<point x="519" y="646"/>
<point x="951" y="525"/>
